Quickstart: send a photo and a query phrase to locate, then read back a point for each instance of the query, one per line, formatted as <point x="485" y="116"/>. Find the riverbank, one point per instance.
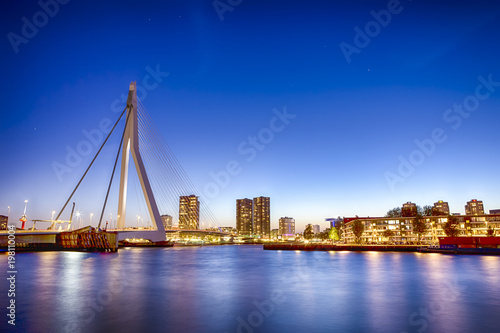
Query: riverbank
<point x="380" y="248"/>
<point x="341" y="247"/>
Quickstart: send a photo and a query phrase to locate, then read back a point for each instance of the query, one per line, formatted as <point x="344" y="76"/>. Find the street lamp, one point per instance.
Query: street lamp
<point x="8" y="215"/>
<point x="78" y="220"/>
<point x="53" y="212"/>
<point x="90" y="221"/>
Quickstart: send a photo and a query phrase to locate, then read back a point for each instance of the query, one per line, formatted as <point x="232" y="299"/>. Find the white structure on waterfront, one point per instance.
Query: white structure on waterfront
<point x="131" y="145"/>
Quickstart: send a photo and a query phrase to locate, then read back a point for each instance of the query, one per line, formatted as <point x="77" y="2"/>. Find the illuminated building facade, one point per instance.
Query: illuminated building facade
<point x="409" y="209"/>
<point x="275" y="233"/>
<point x="374" y="227"/>
<point x="287" y="226"/>
<point x="244" y="216"/>
<point x="3" y="222"/>
<point x="167" y="221"/>
<point x="474" y="207"/>
<point x="189" y="212"/>
<point x="441" y="208"/>
<point x="262" y="217"/>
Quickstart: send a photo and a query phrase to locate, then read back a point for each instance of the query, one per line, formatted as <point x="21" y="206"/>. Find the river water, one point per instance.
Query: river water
<point x="246" y="289"/>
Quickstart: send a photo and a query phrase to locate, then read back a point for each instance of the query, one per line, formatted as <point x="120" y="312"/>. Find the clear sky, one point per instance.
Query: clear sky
<point x="363" y="79"/>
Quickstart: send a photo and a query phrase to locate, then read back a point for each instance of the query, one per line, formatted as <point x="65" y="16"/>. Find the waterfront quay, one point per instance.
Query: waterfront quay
<point x="341" y="247"/>
<point x="447" y="245"/>
<point x="245" y="289"/>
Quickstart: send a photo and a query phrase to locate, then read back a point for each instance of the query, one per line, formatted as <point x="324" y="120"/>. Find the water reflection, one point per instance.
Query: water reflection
<point x="231" y="288"/>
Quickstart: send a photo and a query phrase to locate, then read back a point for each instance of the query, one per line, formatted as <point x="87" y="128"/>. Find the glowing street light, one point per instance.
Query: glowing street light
<point x="90" y="220"/>
<point x="53" y="212"/>
<point x="8" y="214"/>
<point x="78" y="220"/>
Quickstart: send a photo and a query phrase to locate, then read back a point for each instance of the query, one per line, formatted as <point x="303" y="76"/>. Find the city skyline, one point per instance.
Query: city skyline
<point x="189" y="215"/>
<point x="322" y="136"/>
<point x="250" y="166"/>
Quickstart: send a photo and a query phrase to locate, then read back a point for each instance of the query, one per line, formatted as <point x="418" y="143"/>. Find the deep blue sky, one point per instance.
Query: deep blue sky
<point x="353" y="120"/>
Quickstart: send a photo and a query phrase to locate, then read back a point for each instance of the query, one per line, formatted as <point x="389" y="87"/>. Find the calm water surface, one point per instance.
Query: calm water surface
<point x="246" y="289"/>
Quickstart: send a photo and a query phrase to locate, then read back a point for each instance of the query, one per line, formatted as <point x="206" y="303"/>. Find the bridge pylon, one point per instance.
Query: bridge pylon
<point x="131" y="145"/>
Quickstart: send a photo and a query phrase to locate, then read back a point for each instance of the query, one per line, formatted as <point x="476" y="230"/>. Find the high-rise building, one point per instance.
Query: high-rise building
<point x="409" y="209"/>
<point x="287" y="226"/>
<point x="441" y="208"/>
<point x="261" y="216"/>
<point x="189" y="212"/>
<point x="474" y="207"/>
<point x="316" y="229"/>
<point x="167" y="221"/>
<point x="244" y="216"/>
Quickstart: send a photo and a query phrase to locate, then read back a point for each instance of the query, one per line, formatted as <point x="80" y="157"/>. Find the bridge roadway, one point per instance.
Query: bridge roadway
<point x="49" y="236"/>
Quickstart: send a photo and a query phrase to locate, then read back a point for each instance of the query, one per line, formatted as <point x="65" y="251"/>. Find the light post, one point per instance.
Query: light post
<point x="78" y="220"/>
<point x="8" y="215"/>
<point x="90" y="220"/>
<point x="53" y="212"/>
<point x="138" y="218"/>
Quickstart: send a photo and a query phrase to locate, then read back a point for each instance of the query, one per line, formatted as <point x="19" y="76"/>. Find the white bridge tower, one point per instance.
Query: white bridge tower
<point x="131" y="145"/>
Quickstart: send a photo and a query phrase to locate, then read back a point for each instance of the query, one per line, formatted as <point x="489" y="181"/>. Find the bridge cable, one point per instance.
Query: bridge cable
<point x="114" y="168"/>
<point x="160" y="163"/>
<point x="81" y="179"/>
<point x="166" y="158"/>
<point x="205" y="211"/>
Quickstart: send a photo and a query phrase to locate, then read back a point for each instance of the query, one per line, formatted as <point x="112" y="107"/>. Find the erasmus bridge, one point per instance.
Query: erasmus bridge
<point x="161" y="177"/>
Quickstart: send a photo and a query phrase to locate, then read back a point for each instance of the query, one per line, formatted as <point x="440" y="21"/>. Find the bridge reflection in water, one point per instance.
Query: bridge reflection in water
<point x="244" y="289"/>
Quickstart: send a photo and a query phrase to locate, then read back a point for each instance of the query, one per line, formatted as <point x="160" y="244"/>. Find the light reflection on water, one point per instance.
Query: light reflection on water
<point x="231" y="288"/>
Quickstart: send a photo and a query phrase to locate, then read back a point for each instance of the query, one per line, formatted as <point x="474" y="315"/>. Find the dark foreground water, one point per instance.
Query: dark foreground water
<point x="246" y="289"/>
